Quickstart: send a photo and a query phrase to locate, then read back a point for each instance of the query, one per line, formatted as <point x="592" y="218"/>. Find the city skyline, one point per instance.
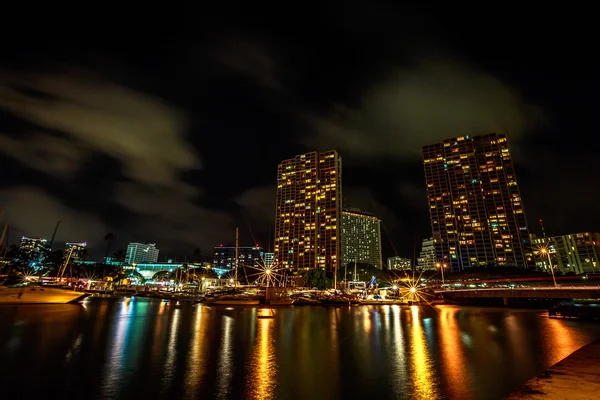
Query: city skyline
<point x="175" y="136"/>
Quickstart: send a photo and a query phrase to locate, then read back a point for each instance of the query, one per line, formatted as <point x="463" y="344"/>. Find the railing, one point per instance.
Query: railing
<point x="562" y="287"/>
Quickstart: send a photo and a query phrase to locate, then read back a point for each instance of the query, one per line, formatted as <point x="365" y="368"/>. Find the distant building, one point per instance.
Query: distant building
<point x="141" y="253"/>
<point x="308" y="213"/>
<point x="577" y="253"/>
<point x="397" y="262"/>
<point x="77" y="249"/>
<point x="476" y="210"/>
<point x="427" y="257"/>
<point x="248" y="256"/>
<point x="34" y="249"/>
<point x="269" y="258"/>
<point x="361" y="238"/>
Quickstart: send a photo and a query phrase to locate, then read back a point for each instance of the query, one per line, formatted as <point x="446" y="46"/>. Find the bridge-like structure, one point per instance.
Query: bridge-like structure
<point x="532" y="292"/>
<point x="148" y="271"/>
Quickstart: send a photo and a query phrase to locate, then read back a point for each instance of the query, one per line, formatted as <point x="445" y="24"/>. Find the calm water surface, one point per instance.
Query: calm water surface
<point x="142" y="348"/>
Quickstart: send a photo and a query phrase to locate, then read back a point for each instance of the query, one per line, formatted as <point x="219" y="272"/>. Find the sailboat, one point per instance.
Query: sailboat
<point x="234" y="299"/>
<point x="17" y="289"/>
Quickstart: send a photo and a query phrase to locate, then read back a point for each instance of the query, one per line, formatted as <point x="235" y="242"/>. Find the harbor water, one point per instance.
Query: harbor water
<point x="145" y="348"/>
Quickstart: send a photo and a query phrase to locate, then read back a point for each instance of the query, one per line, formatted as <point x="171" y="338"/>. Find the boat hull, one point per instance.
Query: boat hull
<point x="234" y="303"/>
<point x="38" y="295"/>
<point x="281" y="302"/>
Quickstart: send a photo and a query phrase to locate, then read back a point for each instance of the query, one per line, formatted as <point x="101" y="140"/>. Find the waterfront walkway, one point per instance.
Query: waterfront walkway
<point x="575" y="377"/>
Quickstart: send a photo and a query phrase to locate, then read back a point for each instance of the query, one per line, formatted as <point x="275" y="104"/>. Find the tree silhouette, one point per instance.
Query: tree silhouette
<point x="197" y="253"/>
<point x="108" y="238"/>
<point x="120" y="255"/>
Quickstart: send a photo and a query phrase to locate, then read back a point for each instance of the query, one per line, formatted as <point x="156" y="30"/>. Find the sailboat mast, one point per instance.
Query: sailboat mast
<point x="53" y="236"/>
<point x="355" y="261"/>
<point x="237" y="256"/>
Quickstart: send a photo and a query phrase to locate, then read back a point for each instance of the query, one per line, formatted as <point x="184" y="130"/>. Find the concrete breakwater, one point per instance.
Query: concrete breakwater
<point x="575" y="377"/>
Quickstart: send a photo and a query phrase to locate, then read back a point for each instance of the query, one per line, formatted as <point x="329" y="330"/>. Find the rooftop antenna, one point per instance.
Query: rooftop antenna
<point x="237" y="256"/>
<point x="543" y="230"/>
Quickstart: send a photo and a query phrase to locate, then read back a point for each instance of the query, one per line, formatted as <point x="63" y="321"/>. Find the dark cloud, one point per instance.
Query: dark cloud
<point x="31" y="211"/>
<point x="102" y="142"/>
<point x="144" y="134"/>
<point x="424" y="103"/>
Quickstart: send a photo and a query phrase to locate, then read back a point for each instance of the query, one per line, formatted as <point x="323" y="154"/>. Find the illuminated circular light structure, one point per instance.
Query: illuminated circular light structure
<point x="268" y="275"/>
<point x="413" y="289"/>
<point x="394" y="287"/>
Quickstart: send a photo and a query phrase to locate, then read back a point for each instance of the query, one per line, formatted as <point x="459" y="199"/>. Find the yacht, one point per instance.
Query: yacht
<point x="17" y="291"/>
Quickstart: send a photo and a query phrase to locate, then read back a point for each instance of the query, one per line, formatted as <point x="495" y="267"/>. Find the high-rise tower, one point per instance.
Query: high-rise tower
<point x="308" y="219"/>
<point x="361" y="238"/>
<point x="477" y="216"/>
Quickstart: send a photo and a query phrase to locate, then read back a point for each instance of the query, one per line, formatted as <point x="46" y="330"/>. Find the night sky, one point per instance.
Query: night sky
<point x="168" y="125"/>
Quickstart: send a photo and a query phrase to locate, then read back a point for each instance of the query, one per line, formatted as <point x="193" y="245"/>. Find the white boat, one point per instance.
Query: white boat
<point x="28" y="293"/>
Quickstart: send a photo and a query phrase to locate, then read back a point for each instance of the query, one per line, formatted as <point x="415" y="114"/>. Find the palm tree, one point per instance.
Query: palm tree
<point x="120" y="255"/>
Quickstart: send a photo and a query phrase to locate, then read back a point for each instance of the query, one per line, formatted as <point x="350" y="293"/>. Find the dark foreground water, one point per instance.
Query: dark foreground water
<point x="142" y="348"/>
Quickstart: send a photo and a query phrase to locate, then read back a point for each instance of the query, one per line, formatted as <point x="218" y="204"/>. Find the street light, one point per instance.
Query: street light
<point x="441" y="267"/>
<point x="545" y="252"/>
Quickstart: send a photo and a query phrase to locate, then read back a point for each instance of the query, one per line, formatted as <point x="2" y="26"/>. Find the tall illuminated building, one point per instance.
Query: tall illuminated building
<point x="361" y="238"/>
<point x="141" y="253"/>
<point x="34" y="249"/>
<point x="78" y="249"/>
<point x="476" y="211"/>
<point x="308" y="219"/>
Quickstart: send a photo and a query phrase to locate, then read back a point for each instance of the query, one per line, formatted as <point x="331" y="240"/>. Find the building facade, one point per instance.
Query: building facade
<point x="34" y="249"/>
<point x="427" y="257"/>
<point x="398" y="262"/>
<point x="269" y="258"/>
<point x="576" y="253"/>
<point x="476" y="211"/>
<point x="140" y="253"/>
<point x="248" y="256"/>
<point x="361" y="238"/>
<point x="308" y="211"/>
<point x="78" y="249"/>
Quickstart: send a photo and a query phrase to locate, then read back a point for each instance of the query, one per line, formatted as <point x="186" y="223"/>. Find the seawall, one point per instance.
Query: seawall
<point x="575" y="377"/>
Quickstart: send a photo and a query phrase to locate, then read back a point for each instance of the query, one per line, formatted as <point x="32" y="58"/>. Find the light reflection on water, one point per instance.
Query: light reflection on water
<point x="225" y="364"/>
<point x="135" y="348"/>
<point x="197" y="358"/>
<point x="421" y="366"/>
<point x="262" y="372"/>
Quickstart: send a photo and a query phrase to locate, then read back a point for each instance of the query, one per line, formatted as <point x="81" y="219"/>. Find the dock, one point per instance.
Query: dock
<point x="575" y="377"/>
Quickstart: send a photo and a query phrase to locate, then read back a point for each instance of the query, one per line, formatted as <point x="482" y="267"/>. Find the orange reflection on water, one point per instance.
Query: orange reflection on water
<point x="561" y="339"/>
<point x="452" y="354"/>
<point x="399" y="360"/>
<point x="367" y="324"/>
<point x="159" y="332"/>
<point x="263" y="370"/>
<point x="198" y="357"/>
<point x="521" y="350"/>
<point x="422" y="371"/>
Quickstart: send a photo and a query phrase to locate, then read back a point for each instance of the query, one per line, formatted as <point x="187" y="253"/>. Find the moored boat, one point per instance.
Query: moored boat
<point x="31" y="293"/>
